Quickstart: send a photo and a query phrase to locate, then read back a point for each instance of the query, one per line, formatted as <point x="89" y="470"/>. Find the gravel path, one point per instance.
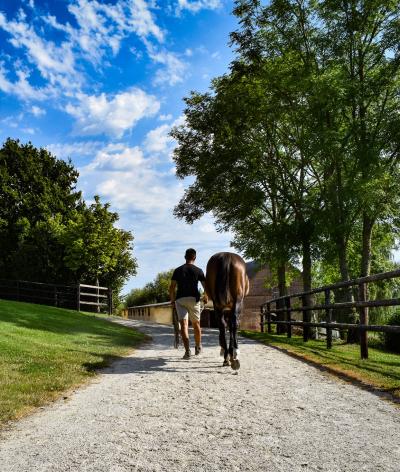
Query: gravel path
<point x="153" y="411"/>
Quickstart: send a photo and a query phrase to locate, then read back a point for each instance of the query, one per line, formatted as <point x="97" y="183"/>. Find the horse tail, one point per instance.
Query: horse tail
<point x="222" y="281"/>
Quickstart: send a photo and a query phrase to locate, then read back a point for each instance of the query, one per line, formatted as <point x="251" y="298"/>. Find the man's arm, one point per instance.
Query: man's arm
<point x="172" y="291"/>
<point x="205" y="296"/>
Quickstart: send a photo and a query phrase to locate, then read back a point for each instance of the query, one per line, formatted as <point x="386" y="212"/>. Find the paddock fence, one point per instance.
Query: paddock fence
<point x="284" y="305"/>
<point x="75" y="297"/>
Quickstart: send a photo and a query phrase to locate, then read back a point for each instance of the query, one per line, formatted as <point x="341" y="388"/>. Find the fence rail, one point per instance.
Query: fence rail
<point x="284" y="305"/>
<point x="62" y="296"/>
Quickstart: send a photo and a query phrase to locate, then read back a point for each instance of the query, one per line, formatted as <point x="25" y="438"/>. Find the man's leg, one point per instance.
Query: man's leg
<point x="194" y="309"/>
<point x="184" y="322"/>
<point x="185" y="333"/>
<point x="197" y="335"/>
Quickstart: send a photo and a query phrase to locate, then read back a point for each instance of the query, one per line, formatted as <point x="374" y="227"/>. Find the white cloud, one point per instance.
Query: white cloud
<point x="99" y="30"/>
<point x="113" y="115"/>
<point x="207" y="228"/>
<point x="53" y="62"/>
<point x="158" y="140"/>
<point x="117" y="157"/>
<point x="197" y="5"/>
<point x="76" y="149"/>
<point x="30" y="131"/>
<point x="129" y="185"/>
<point x="37" y="111"/>
<point x="21" y="87"/>
<point x="103" y="26"/>
<point x="174" y="70"/>
<point x="165" y="117"/>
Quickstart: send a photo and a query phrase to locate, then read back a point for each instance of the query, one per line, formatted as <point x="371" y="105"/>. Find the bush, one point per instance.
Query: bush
<point x="392" y="340"/>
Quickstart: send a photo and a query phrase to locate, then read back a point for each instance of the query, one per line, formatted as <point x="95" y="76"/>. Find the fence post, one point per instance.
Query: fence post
<point x="269" y="318"/>
<point x="262" y="319"/>
<point x="78" y="297"/>
<point x="306" y="329"/>
<point x="288" y="317"/>
<point x="328" y="313"/>
<point x="362" y="296"/>
<point x="110" y="301"/>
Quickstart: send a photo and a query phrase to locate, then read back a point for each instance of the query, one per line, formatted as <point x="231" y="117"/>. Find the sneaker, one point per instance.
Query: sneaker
<point x="187" y="355"/>
<point x="197" y="350"/>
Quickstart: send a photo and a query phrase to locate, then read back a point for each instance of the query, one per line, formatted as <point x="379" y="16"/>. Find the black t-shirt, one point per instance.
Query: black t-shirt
<point x="187" y="277"/>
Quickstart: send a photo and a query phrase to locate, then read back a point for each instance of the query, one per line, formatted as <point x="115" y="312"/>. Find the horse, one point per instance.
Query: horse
<point x="226" y="285"/>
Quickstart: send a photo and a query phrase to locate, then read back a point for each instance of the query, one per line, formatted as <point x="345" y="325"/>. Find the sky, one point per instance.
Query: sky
<point x="102" y="82"/>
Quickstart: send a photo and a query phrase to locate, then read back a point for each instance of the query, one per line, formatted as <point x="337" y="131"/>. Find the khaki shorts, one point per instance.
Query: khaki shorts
<point x="188" y="306"/>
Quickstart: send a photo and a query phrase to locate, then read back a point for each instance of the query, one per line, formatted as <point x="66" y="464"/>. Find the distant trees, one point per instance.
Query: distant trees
<point x="47" y="232"/>
<point x="153" y="292"/>
<point x="296" y="148"/>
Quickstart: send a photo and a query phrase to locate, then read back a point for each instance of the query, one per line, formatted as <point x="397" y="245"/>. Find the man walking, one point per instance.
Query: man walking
<point x="184" y="292"/>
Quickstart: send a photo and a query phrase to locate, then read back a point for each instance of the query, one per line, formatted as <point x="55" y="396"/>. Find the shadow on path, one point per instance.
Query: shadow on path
<point x="169" y="359"/>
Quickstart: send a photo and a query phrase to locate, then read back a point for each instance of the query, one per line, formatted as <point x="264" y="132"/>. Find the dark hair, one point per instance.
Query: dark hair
<point x="190" y="254"/>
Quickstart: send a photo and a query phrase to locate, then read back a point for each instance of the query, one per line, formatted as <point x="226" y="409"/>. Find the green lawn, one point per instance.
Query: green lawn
<point x="381" y="370"/>
<point x="45" y="351"/>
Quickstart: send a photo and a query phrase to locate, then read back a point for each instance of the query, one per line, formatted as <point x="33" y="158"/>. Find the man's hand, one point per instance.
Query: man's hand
<point x="205" y="298"/>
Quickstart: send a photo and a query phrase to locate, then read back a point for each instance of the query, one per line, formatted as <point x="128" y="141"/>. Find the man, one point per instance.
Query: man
<point x="184" y="292"/>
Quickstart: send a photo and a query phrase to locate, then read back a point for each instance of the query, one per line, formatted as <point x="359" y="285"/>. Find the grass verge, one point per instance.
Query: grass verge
<point x="380" y="371"/>
<point x="45" y="351"/>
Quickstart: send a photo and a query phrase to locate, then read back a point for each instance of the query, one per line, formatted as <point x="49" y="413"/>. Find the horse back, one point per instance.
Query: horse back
<point x="226" y="279"/>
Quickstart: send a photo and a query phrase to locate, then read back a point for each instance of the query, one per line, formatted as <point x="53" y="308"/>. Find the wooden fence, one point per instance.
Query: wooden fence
<point x="73" y="297"/>
<point x="284" y="305"/>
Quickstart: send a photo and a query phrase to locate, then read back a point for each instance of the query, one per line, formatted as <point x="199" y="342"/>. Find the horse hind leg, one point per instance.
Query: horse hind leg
<point x="233" y="327"/>
<point x="222" y="337"/>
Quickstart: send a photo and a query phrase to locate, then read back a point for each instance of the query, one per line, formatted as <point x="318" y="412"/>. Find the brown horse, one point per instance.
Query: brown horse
<point x="227" y="284"/>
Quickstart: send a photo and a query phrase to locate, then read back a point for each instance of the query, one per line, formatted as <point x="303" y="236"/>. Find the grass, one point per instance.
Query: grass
<point x="45" y="351"/>
<point x="380" y="371"/>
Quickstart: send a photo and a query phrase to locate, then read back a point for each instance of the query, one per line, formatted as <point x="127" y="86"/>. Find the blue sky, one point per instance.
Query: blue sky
<point x="102" y="82"/>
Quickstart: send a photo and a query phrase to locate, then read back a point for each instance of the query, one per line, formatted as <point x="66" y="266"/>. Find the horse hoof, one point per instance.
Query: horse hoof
<point x="226" y="363"/>
<point x="235" y="364"/>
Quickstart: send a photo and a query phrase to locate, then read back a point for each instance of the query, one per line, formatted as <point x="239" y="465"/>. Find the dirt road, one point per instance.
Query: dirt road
<point x="153" y="411"/>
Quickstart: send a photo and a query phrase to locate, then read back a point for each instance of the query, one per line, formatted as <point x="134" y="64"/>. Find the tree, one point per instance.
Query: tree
<point x="36" y="191"/>
<point x="47" y="232"/>
<point x="95" y="250"/>
<point x="156" y="291"/>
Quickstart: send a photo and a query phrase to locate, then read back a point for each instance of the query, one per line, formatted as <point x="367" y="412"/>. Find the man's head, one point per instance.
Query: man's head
<point x="190" y="255"/>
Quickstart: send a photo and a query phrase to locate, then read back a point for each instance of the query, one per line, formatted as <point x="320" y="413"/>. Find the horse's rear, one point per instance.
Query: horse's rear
<point x="227" y="284"/>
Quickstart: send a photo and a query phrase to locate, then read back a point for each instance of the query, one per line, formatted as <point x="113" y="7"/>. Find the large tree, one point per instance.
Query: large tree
<point x="36" y="191"/>
<point x="47" y="232"/>
<point x="94" y="249"/>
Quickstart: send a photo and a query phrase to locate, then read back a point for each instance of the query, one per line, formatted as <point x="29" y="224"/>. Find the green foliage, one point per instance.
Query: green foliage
<point x="94" y="249"/>
<point x="296" y="148"/>
<point x="153" y="292"/>
<point x="36" y="191"/>
<point x="392" y="340"/>
<point x="47" y="232"/>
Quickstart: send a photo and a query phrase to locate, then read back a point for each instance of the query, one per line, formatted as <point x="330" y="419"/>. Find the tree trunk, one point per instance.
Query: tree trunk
<point x="280" y="329"/>
<point x="345" y="315"/>
<point x="307" y="285"/>
<point x="368" y="224"/>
